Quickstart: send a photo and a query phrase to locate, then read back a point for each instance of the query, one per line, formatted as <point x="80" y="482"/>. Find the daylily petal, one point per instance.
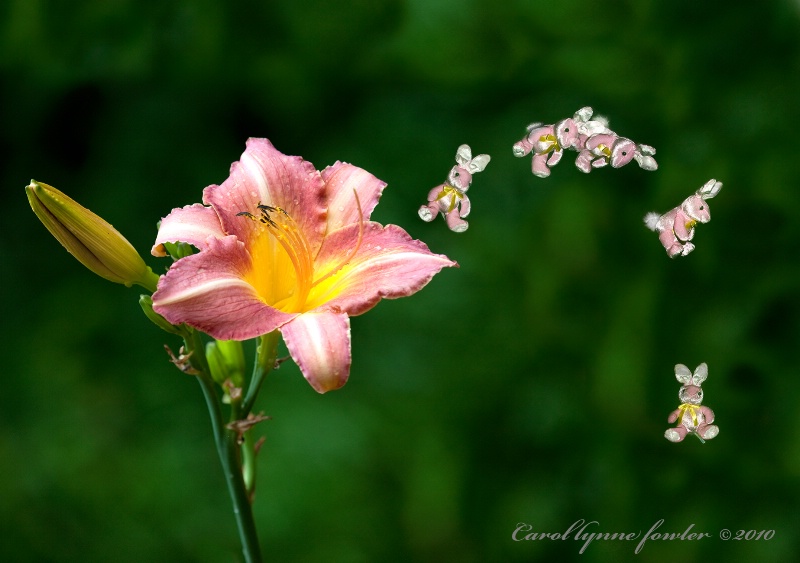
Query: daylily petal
<point x="319" y="343"/>
<point x="192" y="224"/>
<point x="389" y="264"/>
<point x="341" y="179"/>
<point x="266" y="176"/>
<point x="208" y="291"/>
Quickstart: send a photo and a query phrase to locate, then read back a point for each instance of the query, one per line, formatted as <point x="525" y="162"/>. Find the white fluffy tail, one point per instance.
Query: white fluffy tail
<point x="651" y="220"/>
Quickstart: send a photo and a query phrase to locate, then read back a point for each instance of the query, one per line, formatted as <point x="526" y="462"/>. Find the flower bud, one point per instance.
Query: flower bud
<point x="178" y="250"/>
<point x="226" y="361"/>
<point x="232" y="354"/>
<point x="93" y="241"/>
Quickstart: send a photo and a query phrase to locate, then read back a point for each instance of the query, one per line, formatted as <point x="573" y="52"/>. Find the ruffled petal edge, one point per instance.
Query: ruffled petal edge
<point x="192" y="224"/>
<point x="264" y="175"/>
<point x="343" y="181"/>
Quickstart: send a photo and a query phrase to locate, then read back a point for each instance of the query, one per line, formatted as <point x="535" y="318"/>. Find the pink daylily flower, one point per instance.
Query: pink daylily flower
<point x="283" y="246"/>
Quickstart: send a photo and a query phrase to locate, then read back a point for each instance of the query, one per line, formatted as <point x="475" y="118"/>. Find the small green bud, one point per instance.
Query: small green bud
<point x="93" y="241"/>
<point x="178" y="250"/>
<point x="226" y="361"/>
<point x="233" y="356"/>
<point x="219" y="370"/>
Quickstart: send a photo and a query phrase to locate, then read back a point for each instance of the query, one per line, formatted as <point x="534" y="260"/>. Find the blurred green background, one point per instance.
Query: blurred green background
<point x="530" y="385"/>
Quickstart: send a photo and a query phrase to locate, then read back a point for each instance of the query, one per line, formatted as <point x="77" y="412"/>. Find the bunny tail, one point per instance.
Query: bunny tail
<point x="651" y="220"/>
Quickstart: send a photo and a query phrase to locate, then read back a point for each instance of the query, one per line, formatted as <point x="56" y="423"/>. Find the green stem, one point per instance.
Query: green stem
<point x="228" y="450"/>
<point x="266" y="354"/>
<point x="149" y="281"/>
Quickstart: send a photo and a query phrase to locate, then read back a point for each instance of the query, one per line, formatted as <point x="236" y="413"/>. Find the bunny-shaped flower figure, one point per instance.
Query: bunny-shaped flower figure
<point x="691" y="416"/>
<point x="596" y="144"/>
<point x="450" y="199"/>
<point x="599" y="146"/>
<point x="676" y="227"/>
<point x="542" y="140"/>
<point x="602" y="149"/>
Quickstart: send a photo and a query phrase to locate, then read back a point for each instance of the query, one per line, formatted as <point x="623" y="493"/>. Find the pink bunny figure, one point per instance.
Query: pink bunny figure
<point x="602" y="149"/>
<point x="596" y="144"/>
<point x="542" y="140"/>
<point x="676" y="227"/>
<point x="599" y="146"/>
<point x="450" y="199"/>
<point x="690" y="415"/>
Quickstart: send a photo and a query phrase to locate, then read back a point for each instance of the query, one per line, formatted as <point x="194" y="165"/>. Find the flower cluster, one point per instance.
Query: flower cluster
<point x="597" y="145"/>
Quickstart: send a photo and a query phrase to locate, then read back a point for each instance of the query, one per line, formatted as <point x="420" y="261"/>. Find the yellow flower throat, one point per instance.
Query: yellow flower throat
<point x="283" y="274"/>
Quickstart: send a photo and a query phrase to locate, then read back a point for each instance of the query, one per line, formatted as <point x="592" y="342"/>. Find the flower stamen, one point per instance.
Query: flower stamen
<point x="281" y="225"/>
<point x="285" y="230"/>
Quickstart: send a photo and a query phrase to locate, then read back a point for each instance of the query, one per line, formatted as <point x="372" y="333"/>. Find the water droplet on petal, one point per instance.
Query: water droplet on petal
<point x="341" y="208"/>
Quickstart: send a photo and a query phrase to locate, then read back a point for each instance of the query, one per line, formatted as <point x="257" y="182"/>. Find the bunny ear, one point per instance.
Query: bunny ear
<point x="533" y="126"/>
<point x="646" y="162"/>
<point x="710" y="189"/>
<point x="700" y="374"/>
<point x="683" y="374"/>
<point x="647" y="150"/>
<point x="463" y="154"/>
<point x="597" y="126"/>
<point x="602" y="120"/>
<point x="478" y="163"/>
<point x="583" y="114"/>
